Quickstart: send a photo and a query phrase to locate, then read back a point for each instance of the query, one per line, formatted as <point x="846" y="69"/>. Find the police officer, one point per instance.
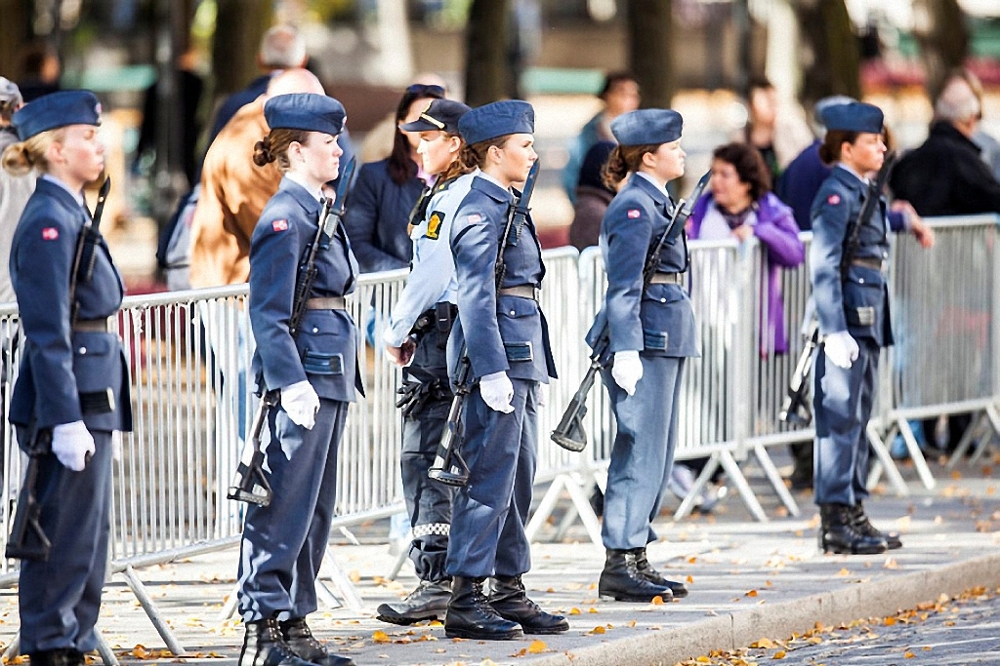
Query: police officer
<point x="73" y="383"/>
<point x="418" y="334"/>
<point x="316" y="375"/>
<point x="511" y="361"/>
<point x="853" y="310"/>
<point x="651" y="332"/>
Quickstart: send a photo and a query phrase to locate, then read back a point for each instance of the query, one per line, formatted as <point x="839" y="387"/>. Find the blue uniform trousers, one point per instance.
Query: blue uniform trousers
<point x="489" y="514"/>
<point x="643" y="451"/>
<point x="284" y="543"/>
<point x="842" y="408"/>
<point x="61" y="597"/>
<point x="428" y="502"/>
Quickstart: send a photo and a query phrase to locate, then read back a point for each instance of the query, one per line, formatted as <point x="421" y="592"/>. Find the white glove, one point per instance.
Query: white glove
<point x="542" y="395"/>
<point x="300" y="402"/>
<point x="627" y="370"/>
<point x="116" y="444"/>
<point x="497" y="392"/>
<point x="841" y="349"/>
<point x="71" y="442"/>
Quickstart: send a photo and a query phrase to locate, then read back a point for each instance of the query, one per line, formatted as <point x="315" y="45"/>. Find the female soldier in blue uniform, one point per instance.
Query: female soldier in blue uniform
<point x="651" y="331"/>
<point x="73" y="381"/>
<point x="853" y="310"/>
<point x="418" y="334"/>
<point x="316" y="374"/>
<point x="507" y="341"/>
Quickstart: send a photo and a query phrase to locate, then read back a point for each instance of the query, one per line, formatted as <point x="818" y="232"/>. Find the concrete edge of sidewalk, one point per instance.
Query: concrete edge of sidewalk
<point x="732" y="630"/>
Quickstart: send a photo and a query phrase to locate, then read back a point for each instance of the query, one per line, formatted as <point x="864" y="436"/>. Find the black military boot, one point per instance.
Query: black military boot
<point x="471" y="616"/>
<point x="647" y="571"/>
<point x="428" y="601"/>
<point x="264" y="646"/>
<point x="300" y="640"/>
<point x="837" y="533"/>
<point x="509" y="599"/>
<point x="864" y="526"/>
<point x="622" y="581"/>
<point x="59" y="657"/>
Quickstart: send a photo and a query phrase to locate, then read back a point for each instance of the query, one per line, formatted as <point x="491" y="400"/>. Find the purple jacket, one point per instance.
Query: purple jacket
<point x="779" y="234"/>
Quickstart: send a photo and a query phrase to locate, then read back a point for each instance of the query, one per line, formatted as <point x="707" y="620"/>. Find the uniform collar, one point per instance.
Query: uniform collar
<point x="646" y="184"/>
<point x="848" y="178"/>
<point x="304" y="197"/>
<point x="77" y="196"/>
<point x="492" y="188"/>
<point x="852" y="172"/>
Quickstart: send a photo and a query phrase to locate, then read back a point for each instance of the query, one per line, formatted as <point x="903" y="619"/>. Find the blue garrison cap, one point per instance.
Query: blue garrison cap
<point x="853" y="117"/>
<point x="441" y="114"/>
<point x="308" y="112"/>
<point x="508" y="116"/>
<point x="647" y="127"/>
<point x="55" y="110"/>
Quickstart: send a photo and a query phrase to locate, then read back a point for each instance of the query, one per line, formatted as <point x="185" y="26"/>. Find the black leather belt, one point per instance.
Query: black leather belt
<point x="327" y="303"/>
<point x="92" y="325"/>
<point x="870" y="262"/>
<point x="522" y="290"/>
<point x="667" y="278"/>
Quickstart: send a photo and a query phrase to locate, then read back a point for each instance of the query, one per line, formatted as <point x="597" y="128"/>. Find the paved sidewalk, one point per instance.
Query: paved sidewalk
<point x="748" y="580"/>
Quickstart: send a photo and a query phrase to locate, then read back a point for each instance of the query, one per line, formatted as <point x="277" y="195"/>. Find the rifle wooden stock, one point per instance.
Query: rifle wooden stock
<point x="28" y="540"/>
<point x="795" y="408"/>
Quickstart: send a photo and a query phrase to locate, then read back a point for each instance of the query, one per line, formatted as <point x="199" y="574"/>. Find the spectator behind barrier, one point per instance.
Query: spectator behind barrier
<point x="592" y="197"/>
<point x="385" y="192"/>
<point x="777" y="128"/>
<point x="14" y="190"/>
<point x="620" y="94"/>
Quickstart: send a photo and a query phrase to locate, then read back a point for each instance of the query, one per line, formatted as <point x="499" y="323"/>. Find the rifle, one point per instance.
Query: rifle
<point x="449" y="467"/>
<point x="795" y="408"/>
<point x="249" y="483"/>
<point x="26" y="524"/>
<point x="570" y="433"/>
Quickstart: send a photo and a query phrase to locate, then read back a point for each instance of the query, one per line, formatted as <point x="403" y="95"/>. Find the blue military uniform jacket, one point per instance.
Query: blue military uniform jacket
<point x="506" y="333"/>
<point x="860" y="303"/>
<point x="60" y="366"/>
<point x="658" y="321"/>
<point x="325" y="349"/>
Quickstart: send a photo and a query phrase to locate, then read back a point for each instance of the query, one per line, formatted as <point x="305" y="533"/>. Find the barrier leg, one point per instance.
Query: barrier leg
<point x="342" y="582"/>
<point x="975" y="431"/>
<point x="545" y="508"/>
<point x="229" y="607"/>
<point x="875" y="470"/>
<point x="107" y="654"/>
<point x="139" y="590"/>
<point x="398" y="564"/>
<point x="886" y="462"/>
<point x="587" y="515"/>
<point x="771" y="472"/>
<point x="349" y="535"/>
<point x="736" y="476"/>
<point x="916" y="454"/>
<point x="994" y="421"/>
<point x="699" y="484"/>
<point x="13" y="649"/>
<point x="324" y="595"/>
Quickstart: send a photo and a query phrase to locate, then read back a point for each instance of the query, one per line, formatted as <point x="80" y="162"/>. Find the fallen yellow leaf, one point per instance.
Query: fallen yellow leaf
<point x="765" y="643"/>
<point x="690" y="579"/>
<point x="657" y="600"/>
<point x="574" y="611"/>
<point x="537" y="647"/>
<point x="780" y="654"/>
<point x="593" y="610"/>
<point x="703" y="660"/>
<point x="381" y="637"/>
<point x="751" y="593"/>
<point x="908" y="655"/>
<point x="889" y="621"/>
<point x="598" y="630"/>
<point x="844" y="572"/>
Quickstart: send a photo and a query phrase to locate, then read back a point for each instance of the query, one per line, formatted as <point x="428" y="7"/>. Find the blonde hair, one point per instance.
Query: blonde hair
<point x="20" y="158"/>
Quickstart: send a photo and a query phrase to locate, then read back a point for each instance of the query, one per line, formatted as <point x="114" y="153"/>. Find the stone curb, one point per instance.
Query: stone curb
<point x="729" y="631"/>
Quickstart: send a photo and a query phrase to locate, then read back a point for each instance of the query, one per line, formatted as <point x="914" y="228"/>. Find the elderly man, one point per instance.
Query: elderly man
<point x="945" y="175"/>
<point x="234" y="190"/>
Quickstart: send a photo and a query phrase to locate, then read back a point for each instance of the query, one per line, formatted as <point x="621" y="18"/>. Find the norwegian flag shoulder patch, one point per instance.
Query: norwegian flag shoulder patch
<point x="833" y="199"/>
<point x="280" y="225"/>
<point x="634" y="213"/>
<point x="474" y="218"/>
<point x="50" y="233"/>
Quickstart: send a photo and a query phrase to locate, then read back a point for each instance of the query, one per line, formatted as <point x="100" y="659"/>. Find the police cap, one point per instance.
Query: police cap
<point x="441" y="114"/>
<point x="509" y="116"/>
<point x="647" y="127"/>
<point x="55" y="110"/>
<point x="308" y="112"/>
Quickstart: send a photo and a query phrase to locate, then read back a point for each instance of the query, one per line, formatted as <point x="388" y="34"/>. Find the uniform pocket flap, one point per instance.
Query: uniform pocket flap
<point x="654" y="340"/>
<point x="514" y="306"/>
<point x="518" y="352"/>
<point x="863" y="316"/>
<point x="315" y="363"/>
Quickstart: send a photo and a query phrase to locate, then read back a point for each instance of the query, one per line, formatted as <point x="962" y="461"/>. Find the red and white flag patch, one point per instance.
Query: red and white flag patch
<point x="634" y="214"/>
<point x="475" y="218"/>
<point x="833" y="199"/>
<point x="50" y="233"/>
<point x="280" y="225"/>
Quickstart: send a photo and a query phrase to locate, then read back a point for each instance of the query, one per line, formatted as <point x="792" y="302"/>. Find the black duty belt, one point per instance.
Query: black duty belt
<point x="327" y="303"/>
<point x="870" y="262"/>
<point x="522" y="290"/>
<point x="667" y="278"/>
<point x="92" y="325"/>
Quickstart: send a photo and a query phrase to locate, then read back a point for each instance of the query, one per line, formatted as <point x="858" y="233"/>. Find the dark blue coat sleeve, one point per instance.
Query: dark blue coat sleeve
<point x="627" y="242"/>
<point x="830" y="219"/>
<point x="43" y="266"/>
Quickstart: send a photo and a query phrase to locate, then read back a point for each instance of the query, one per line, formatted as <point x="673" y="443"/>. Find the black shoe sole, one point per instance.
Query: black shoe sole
<point x="405" y="621"/>
<point x="544" y="631"/>
<point x="452" y="632"/>
<point x="633" y="598"/>
<point x="851" y="551"/>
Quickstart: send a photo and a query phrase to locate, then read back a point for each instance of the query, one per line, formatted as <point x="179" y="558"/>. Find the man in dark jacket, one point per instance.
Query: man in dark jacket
<point x="946" y="176"/>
